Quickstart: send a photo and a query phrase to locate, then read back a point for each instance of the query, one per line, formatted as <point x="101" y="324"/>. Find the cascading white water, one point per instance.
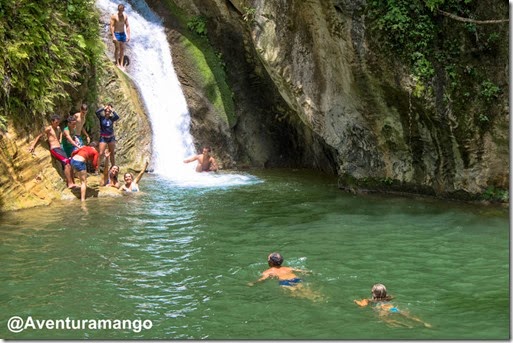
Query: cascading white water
<point x="151" y="68"/>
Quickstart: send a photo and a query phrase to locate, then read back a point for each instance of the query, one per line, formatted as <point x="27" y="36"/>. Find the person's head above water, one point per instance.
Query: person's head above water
<point x="379" y="291"/>
<point x="114" y="171"/>
<point x="274" y="259"/>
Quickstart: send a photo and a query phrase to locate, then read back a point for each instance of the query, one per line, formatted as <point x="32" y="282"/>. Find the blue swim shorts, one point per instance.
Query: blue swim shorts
<point x="394" y="310"/>
<point x="290" y="283"/>
<point x="120" y="36"/>
<point x="78" y="165"/>
<point x="107" y="139"/>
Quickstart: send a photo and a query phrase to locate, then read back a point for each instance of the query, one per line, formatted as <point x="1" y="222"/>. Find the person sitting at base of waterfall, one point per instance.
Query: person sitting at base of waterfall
<point x="132" y="185"/>
<point x="206" y="163"/>
<point x="286" y="277"/>
<point x="79" y="159"/>
<point x="118" y="23"/>
<point x="381" y="302"/>
<point x="54" y="134"/>
<point x="110" y="176"/>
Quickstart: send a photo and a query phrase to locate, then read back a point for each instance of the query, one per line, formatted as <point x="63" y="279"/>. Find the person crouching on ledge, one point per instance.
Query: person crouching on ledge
<point x="79" y="159"/>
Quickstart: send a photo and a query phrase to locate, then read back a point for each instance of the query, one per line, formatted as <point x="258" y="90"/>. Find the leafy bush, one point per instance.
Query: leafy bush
<point x="198" y="25"/>
<point x="496" y="194"/>
<point x="47" y="46"/>
<point x="489" y="91"/>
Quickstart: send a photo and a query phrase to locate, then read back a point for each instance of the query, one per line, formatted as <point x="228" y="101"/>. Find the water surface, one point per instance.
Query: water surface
<point x="182" y="255"/>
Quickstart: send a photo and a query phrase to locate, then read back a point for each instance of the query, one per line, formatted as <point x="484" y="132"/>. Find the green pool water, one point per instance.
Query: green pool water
<point x="181" y="257"/>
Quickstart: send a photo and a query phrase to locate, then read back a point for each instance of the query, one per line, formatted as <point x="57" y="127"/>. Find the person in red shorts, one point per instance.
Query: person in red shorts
<point x="79" y="158"/>
<point x="54" y="135"/>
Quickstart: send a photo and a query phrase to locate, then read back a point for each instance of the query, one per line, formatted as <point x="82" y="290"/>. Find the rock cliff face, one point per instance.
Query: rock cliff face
<point x="312" y="89"/>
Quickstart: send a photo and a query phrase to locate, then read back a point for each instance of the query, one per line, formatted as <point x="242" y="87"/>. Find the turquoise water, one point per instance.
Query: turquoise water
<point x="182" y="257"/>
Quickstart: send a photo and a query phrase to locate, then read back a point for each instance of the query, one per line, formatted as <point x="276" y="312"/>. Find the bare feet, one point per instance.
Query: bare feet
<point x="72" y="186"/>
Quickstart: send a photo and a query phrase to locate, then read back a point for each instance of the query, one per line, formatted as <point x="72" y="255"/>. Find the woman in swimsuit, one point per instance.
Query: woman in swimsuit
<point x="107" y="137"/>
<point x="381" y="302"/>
<point x="132" y="185"/>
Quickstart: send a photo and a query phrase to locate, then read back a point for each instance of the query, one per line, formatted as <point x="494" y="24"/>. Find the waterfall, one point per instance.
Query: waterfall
<point x="151" y="68"/>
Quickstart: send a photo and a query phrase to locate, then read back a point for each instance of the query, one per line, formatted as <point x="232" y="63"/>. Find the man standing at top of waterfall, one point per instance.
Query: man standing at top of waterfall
<point x="118" y="22"/>
<point x="206" y="163"/>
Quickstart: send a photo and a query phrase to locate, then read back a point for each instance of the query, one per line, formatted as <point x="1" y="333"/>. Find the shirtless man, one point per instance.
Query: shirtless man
<point x="81" y="117"/>
<point x="287" y="278"/>
<point x="54" y="135"/>
<point x="205" y="161"/>
<point x="118" y="22"/>
<point x="285" y="275"/>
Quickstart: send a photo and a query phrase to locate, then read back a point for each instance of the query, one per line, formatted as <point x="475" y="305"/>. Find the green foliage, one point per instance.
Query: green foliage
<point x="489" y="91"/>
<point x="47" y="46"/>
<point x="198" y="25"/>
<point x="409" y="31"/>
<point x="209" y="65"/>
<point x="460" y="56"/>
<point x="495" y="194"/>
<point x="483" y="118"/>
<point x="249" y="14"/>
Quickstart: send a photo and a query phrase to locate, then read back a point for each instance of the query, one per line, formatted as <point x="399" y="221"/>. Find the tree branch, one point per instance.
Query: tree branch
<point x="467" y="20"/>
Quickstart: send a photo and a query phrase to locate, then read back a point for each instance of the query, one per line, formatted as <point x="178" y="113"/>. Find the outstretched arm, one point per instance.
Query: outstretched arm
<point x="36" y="140"/>
<point x="362" y="303"/>
<point x="190" y="159"/>
<point x="139" y="176"/>
<point x="262" y="278"/>
<point x="301" y="270"/>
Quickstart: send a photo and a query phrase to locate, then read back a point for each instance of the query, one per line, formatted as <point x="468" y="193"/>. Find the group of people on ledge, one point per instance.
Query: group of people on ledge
<point x="67" y="146"/>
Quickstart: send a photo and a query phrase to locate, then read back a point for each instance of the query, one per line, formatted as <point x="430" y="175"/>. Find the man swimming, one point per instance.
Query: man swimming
<point x="287" y="279"/>
<point x="285" y="275"/>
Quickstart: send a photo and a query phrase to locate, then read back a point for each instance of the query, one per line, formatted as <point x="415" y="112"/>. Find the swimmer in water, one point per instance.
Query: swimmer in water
<point x="130" y="184"/>
<point x="286" y="277"/>
<point x="387" y="311"/>
<point x="206" y="163"/>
